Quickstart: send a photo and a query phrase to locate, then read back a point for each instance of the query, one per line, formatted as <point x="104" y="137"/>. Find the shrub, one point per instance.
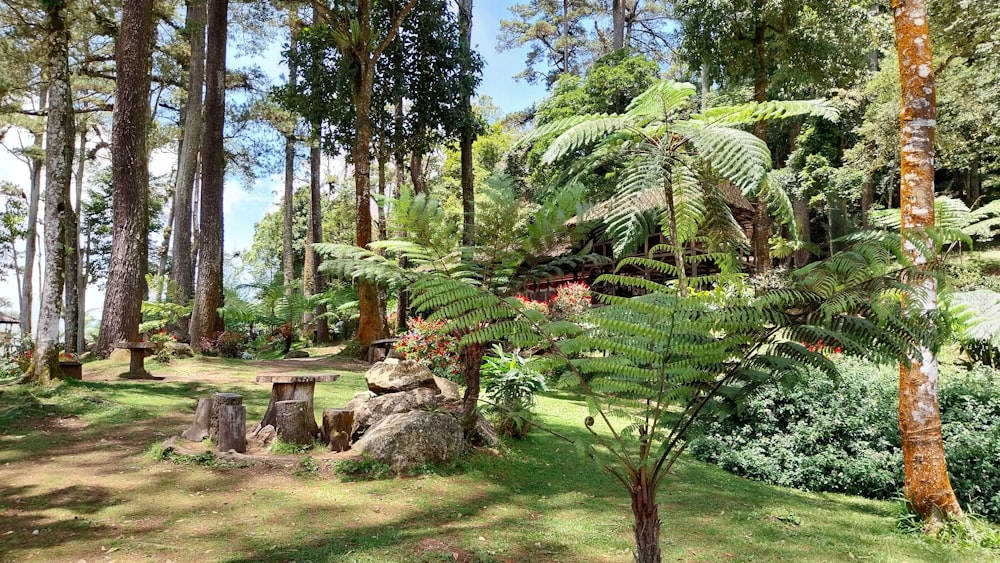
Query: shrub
<point x="570" y="301"/>
<point x="429" y="343"/>
<point x="228" y="344"/>
<point x="970" y="422"/>
<point x="843" y="436"/>
<point x="819" y="435"/>
<point x="539" y="306"/>
<point x="164" y="353"/>
<point x="510" y="384"/>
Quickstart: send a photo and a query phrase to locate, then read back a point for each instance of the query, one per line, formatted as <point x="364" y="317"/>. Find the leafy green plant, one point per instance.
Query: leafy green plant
<point x="430" y="343"/>
<point x="284" y="447"/>
<point x="510" y="384"/>
<point x="307" y="467"/>
<point x="363" y="468"/>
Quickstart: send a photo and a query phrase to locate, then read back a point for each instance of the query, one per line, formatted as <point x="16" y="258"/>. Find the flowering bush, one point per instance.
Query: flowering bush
<point x="429" y="343"/>
<point x="164" y="353"/>
<point x="228" y="344"/>
<point x="539" y="306"/>
<point x="570" y="300"/>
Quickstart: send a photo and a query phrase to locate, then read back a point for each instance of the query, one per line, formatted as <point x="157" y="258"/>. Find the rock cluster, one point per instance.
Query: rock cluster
<point x="409" y="417"/>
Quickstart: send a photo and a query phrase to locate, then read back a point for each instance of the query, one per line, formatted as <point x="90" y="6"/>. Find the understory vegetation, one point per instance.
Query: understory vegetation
<point x="533" y="499"/>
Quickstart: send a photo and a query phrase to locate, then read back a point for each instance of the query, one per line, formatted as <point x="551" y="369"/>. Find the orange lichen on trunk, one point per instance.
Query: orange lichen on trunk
<point x="926" y="483"/>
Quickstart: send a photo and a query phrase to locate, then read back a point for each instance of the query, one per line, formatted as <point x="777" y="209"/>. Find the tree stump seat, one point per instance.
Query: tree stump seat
<point x="378" y="350"/>
<point x="292" y="388"/>
<point x="137" y="358"/>
<point x="337" y="425"/>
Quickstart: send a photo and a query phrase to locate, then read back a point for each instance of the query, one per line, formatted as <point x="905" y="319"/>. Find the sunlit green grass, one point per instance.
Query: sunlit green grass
<point x="534" y="500"/>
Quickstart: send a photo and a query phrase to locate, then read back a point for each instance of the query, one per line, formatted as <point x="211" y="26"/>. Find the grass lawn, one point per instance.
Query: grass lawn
<point x="77" y="483"/>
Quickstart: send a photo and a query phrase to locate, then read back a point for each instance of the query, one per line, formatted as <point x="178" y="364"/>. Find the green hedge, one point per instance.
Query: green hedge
<point x="842" y="436"/>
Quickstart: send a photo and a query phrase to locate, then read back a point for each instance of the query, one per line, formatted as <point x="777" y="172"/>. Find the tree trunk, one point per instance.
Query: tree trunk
<point x="800" y="208"/>
<point x="762" y="217"/>
<point x="218" y="401"/>
<point x="35" y="166"/>
<point x="71" y="312"/>
<point x="233" y="428"/>
<point x="647" y="518"/>
<point x="366" y="53"/>
<point x="309" y="267"/>
<point x="161" y="256"/>
<point x="288" y="256"/>
<point x="926" y="485"/>
<point x="316" y="231"/>
<point x="468" y="132"/>
<point x="371" y="325"/>
<point x="208" y="292"/>
<point x="182" y="255"/>
<point x="202" y="424"/>
<point x="129" y="167"/>
<point x="337" y="424"/>
<point x="294" y="422"/>
<point x="617" y="24"/>
<point x="472" y="362"/>
<point x="59" y="139"/>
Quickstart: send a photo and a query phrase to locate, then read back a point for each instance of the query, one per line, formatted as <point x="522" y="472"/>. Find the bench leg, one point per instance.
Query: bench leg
<point x="137" y="366"/>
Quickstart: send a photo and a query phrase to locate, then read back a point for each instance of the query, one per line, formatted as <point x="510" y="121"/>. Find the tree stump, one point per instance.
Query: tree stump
<point x="294" y="422"/>
<point x="202" y="421"/>
<point x="337" y="425"/>
<point x="218" y="400"/>
<point x="233" y="428"/>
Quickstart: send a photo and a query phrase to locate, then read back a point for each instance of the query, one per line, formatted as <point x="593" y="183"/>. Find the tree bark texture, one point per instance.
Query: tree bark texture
<point x="337" y="424"/>
<point x="182" y="258"/>
<point x="472" y="362"/>
<point x="762" y="217"/>
<point x="218" y="401"/>
<point x="617" y="24"/>
<point x="294" y="422"/>
<point x="926" y="484"/>
<point x="647" y="518"/>
<point x="59" y="140"/>
<point x="130" y="171"/>
<point x="72" y="287"/>
<point x="35" y="166"/>
<point x="365" y="50"/>
<point x="233" y="428"/>
<point x="199" y="430"/>
<point x="468" y="131"/>
<point x="208" y="291"/>
<point x="288" y="256"/>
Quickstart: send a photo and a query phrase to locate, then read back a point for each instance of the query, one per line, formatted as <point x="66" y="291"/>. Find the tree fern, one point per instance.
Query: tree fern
<point x="667" y="150"/>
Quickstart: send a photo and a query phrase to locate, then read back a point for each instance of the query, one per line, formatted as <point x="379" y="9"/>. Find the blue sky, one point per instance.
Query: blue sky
<point x="243" y="208"/>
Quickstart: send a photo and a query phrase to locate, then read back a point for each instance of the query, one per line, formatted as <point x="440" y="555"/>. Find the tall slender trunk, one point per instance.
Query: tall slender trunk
<point x="925" y="476"/>
<point x="71" y="312"/>
<point x="127" y="271"/>
<point x="182" y="255"/>
<point x="59" y="139"/>
<point x="288" y="256"/>
<point x="468" y="131"/>
<point x="35" y="165"/>
<point x="761" y="217"/>
<point x="617" y="24"/>
<point x="647" y="517"/>
<point x="472" y="362"/>
<point x="163" y="252"/>
<point x="403" y="296"/>
<point x="208" y="290"/>
<point x="314" y="234"/>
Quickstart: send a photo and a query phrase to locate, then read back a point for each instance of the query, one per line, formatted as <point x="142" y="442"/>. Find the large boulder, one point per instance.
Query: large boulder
<point x="393" y="376"/>
<point x="448" y="389"/>
<point x="369" y="413"/>
<point x="410" y="440"/>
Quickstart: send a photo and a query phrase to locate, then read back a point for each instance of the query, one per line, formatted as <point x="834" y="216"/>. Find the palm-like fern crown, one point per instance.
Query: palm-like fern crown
<point x="669" y="153"/>
<point x="658" y="362"/>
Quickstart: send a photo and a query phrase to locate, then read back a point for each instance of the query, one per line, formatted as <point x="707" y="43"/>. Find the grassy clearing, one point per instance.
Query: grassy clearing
<point x="74" y="468"/>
